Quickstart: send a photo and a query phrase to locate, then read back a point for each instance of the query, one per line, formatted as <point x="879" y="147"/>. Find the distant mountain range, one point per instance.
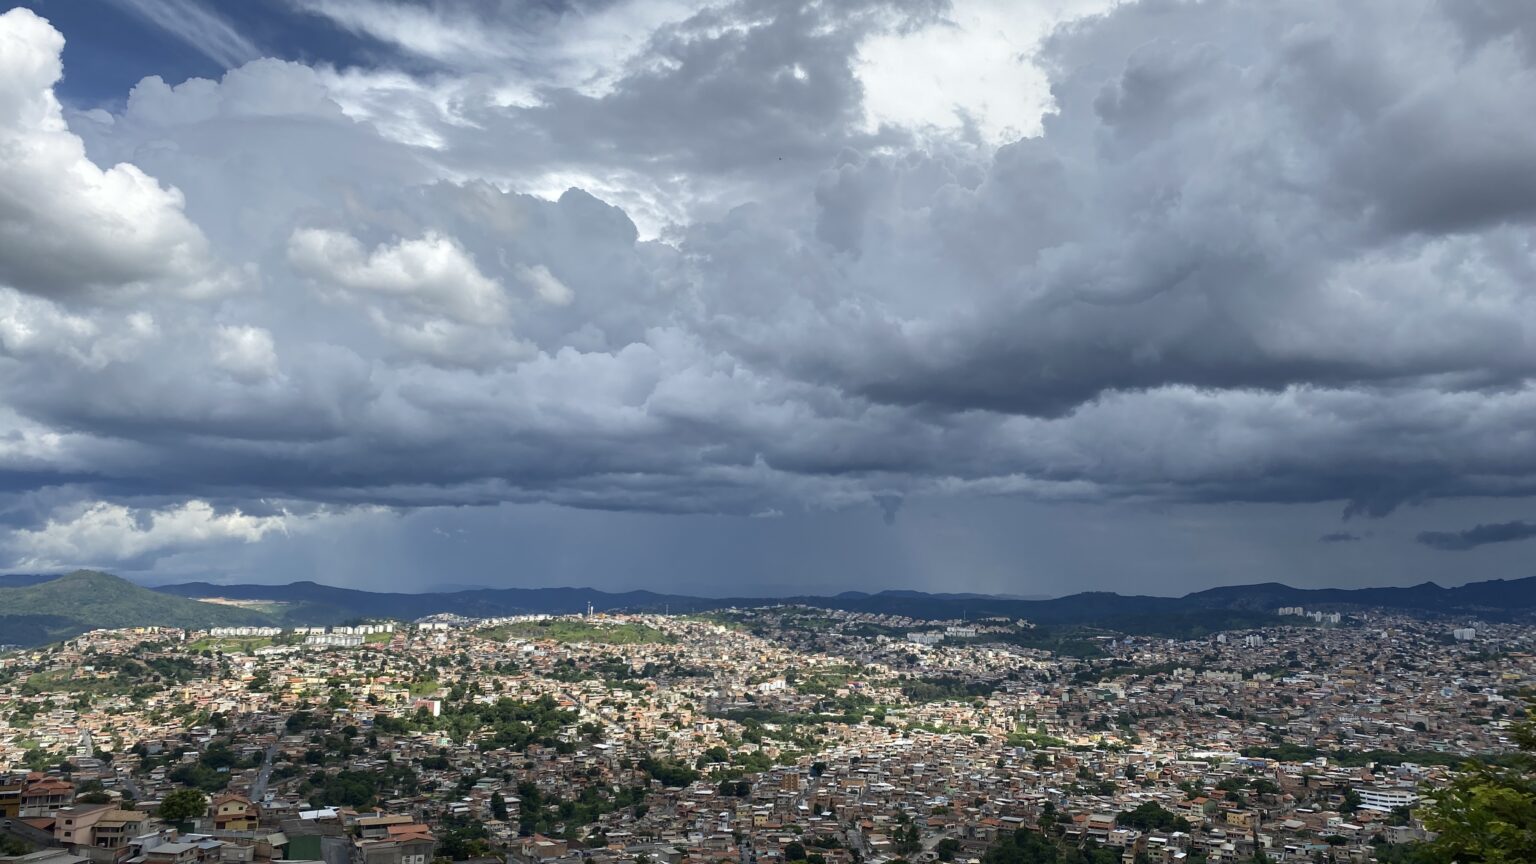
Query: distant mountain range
<point x="40" y="608"/>
<point x="315" y="602"/>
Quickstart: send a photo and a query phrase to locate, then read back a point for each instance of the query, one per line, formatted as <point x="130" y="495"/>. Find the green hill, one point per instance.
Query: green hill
<point x="87" y="600"/>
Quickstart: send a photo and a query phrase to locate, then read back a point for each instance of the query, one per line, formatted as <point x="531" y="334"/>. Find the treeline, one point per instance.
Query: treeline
<point x="211" y="771"/>
<point x="1028" y="847"/>
<point x="506" y="722"/>
<point x="1151" y="816"/>
<point x="541" y="813"/>
<point x="348" y="788"/>
<point x="667" y="772"/>
<point x="940" y="688"/>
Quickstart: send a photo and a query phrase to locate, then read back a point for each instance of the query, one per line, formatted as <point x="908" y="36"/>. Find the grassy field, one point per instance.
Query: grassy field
<point x="567" y="630"/>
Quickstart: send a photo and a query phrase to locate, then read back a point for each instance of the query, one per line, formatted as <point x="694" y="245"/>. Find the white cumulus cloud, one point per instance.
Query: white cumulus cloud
<point x="101" y="532"/>
<point x="433" y="273"/>
<point x="245" y="352"/>
<point x="66" y="224"/>
<point x="545" y="284"/>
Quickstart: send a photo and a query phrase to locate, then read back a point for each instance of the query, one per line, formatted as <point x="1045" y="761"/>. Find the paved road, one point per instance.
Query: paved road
<point x="129" y="787"/>
<point x="616" y="731"/>
<point x="259" y="788"/>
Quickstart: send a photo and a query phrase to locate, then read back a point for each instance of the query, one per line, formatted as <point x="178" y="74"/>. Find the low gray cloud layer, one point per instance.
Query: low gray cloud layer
<point x="1258" y="253"/>
<point x="1479" y="535"/>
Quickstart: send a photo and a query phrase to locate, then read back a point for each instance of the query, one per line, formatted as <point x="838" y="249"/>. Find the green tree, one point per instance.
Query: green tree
<point x="498" y="807"/>
<point x="908" y="840"/>
<point x="183" y="805"/>
<point x="794" y="851"/>
<point x="1047" y="815"/>
<point x="1488" y="814"/>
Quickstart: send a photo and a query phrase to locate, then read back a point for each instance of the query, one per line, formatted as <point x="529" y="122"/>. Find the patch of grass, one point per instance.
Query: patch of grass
<point x="944" y="688"/>
<point x="62" y="681"/>
<point x="828" y="679"/>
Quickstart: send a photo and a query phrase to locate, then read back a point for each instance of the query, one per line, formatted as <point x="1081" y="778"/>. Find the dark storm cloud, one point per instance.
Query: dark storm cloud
<point x="738" y="89"/>
<point x="1208" y="209"/>
<point x="1261" y="253"/>
<point x="737" y="102"/>
<point x="1480" y="535"/>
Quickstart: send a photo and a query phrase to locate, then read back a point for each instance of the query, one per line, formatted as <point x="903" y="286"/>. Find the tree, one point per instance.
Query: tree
<point x="794" y="851"/>
<point x="183" y="805"/>
<point x="498" y="807"/>
<point x="1488" y="814"/>
<point x="1149" y="816"/>
<point x="908" y="840"/>
<point x="1022" y="847"/>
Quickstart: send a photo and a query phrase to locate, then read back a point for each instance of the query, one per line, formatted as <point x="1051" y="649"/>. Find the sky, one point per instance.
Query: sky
<point x="756" y="297"/>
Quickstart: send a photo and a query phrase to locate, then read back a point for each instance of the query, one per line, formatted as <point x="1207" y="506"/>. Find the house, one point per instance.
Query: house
<point x="75" y="826"/>
<point x="173" y="853"/>
<point x="115" y="828"/>
<point x="312" y="840"/>
<point x="410" y="843"/>
<point x="235" y="813"/>
<point x="10" y="795"/>
<point x="539" y="848"/>
<point x="378" y="827"/>
<point x="46" y="796"/>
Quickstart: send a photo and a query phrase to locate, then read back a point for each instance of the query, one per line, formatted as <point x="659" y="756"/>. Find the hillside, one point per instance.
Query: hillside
<point x="314" y="603"/>
<point x="85" y="600"/>
<point x="1240" y="605"/>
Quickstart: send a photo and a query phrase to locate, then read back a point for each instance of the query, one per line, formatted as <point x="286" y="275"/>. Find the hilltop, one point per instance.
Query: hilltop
<point x="67" y="605"/>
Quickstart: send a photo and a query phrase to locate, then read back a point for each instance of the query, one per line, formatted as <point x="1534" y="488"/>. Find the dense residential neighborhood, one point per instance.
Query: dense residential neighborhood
<point x="746" y="736"/>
